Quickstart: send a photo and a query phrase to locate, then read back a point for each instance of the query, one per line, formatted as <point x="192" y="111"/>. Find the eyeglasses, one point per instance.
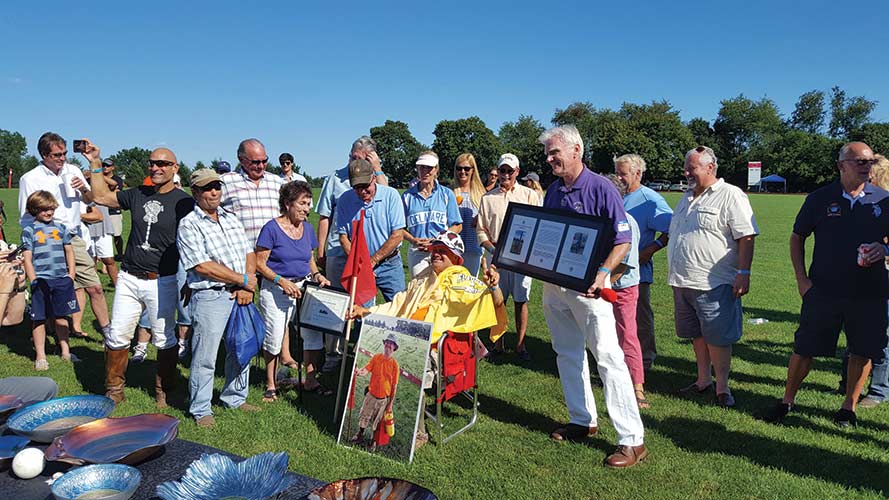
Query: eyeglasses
<point x="506" y="170"/>
<point x="161" y="163"/>
<point x="463" y="169"/>
<point x="215" y="186"/>
<point x="862" y="162"/>
<point x="256" y="163"/>
<point x="425" y="167"/>
<point x="61" y="154"/>
<point x="360" y="187"/>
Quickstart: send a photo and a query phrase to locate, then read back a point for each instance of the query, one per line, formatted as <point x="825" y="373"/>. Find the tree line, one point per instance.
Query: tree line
<point x="801" y="147"/>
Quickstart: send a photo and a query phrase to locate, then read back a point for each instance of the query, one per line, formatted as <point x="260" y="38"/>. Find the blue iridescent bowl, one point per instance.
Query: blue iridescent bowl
<point x="216" y="476"/>
<point x="98" y="482"/>
<point x="9" y="446"/>
<point x="42" y="422"/>
<point x="8" y="404"/>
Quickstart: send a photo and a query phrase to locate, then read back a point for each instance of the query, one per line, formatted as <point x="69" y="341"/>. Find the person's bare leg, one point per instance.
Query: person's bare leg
<point x="859" y="369"/>
<point x="286" y="358"/>
<point x="143" y="335"/>
<point x="15" y="309"/>
<point x="182" y="333"/>
<point x="521" y="324"/>
<point x="312" y="358"/>
<point x="77" y="317"/>
<point x="271" y="367"/>
<point x="62" y="334"/>
<point x="721" y="359"/>
<point x="38" y="332"/>
<point x="111" y="267"/>
<point x="797" y="370"/>
<point x="702" y="358"/>
<point x="98" y="304"/>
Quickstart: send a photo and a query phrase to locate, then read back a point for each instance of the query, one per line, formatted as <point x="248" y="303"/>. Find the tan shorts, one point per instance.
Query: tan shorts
<point x="84" y="267"/>
<point x="116" y="224"/>
<point x="372" y="411"/>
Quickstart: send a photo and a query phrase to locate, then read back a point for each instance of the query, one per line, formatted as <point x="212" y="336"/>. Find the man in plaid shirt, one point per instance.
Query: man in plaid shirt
<point x="250" y="193"/>
<point x="221" y="268"/>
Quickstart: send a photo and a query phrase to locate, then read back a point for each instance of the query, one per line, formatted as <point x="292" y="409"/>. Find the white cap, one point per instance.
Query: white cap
<point x="509" y="159"/>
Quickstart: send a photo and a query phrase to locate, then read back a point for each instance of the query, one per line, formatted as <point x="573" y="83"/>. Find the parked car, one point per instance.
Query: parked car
<point x="659" y="184"/>
<point x="679" y="186"/>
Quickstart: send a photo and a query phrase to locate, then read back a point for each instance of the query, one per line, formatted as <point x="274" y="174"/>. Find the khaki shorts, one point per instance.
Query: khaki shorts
<point x="372" y="411"/>
<point x="116" y="224"/>
<point x="85" y="268"/>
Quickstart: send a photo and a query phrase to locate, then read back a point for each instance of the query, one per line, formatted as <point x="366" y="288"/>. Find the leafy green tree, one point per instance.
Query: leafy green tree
<point x="74" y="161"/>
<point x="184" y="174"/>
<point x="132" y="164"/>
<point x="876" y="135"/>
<point x="585" y="117"/>
<point x="13" y="149"/>
<point x="199" y="165"/>
<point x="398" y="150"/>
<point x="466" y="135"/>
<point x="702" y="132"/>
<point x="808" y="114"/>
<point x="743" y="124"/>
<point x="848" y="114"/>
<point x="520" y="138"/>
<point x="806" y="160"/>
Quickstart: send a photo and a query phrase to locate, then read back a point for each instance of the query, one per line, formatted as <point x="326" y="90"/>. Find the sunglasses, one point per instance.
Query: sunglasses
<point x="161" y="163"/>
<point x="463" y="169"/>
<point x="257" y="163"/>
<point x="286" y="162"/>
<point x="215" y="186"/>
<point x="360" y="187"/>
<point x="861" y="162"/>
<point x="58" y="155"/>
<point x="506" y="170"/>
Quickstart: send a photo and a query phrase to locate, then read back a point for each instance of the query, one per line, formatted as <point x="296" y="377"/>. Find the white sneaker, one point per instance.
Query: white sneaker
<point x="139" y="353"/>
<point x="183" y="349"/>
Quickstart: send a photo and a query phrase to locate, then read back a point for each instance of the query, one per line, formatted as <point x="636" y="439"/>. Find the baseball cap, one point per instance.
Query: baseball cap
<point x="509" y="159"/>
<point x="223" y="167"/>
<point x="203" y="176"/>
<point x="392" y="338"/>
<point x="360" y="172"/>
<point x="452" y="241"/>
<point x="531" y="177"/>
<point x="107" y="162"/>
<point x="427" y="160"/>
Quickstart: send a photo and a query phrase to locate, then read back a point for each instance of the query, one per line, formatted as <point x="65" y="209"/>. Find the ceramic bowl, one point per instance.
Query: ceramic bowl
<point x="9" y="446"/>
<point x="216" y="476"/>
<point x="8" y="404"/>
<point x="42" y="422"/>
<point x="371" y="487"/>
<point x="127" y="440"/>
<point x="97" y="482"/>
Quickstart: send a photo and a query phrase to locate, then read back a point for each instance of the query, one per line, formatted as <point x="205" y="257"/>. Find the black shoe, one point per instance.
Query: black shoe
<point x="845" y="418"/>
<point x="777" y="413"/>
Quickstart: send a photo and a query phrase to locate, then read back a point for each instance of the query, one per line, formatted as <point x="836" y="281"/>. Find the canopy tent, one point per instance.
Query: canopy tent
<point x="774" y="179"/>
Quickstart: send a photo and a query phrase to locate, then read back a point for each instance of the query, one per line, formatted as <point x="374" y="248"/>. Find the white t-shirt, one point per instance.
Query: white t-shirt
<point x="41" y="178"/>
<point x="703" y="247"/>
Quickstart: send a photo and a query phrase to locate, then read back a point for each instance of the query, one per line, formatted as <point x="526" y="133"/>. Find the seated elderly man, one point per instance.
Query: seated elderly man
<point x="450" y="298"/>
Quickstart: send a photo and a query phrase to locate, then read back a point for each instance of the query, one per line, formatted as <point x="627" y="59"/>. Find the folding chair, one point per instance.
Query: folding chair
<point x="456" y="375"/>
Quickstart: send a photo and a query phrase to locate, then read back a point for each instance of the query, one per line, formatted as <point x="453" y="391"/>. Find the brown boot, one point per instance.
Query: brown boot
<point x="115" y="373"/>
<point x="165" y="380"/>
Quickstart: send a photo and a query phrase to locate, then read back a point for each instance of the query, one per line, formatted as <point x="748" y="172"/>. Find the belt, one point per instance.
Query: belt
<point x="387" y="258"/>
<point x="142" y="275"/>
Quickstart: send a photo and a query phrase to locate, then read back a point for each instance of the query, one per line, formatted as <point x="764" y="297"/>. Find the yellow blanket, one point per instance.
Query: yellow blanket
<point x="453" y="301"/>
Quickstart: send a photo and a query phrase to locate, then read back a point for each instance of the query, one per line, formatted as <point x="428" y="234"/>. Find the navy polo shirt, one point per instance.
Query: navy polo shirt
<point x="839" y="229"/>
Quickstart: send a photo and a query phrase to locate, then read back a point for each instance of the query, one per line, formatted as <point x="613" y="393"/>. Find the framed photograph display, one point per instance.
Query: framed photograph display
<point x="563" y="248"/>
<point x="324" y="309"/>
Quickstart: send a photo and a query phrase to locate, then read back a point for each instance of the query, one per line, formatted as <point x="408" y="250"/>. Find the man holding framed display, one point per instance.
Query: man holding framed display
<point x="578" y="321"/>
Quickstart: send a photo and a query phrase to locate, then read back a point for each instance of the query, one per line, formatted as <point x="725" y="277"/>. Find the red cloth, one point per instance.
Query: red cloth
<point x="358" y="266"/>
<point x="350" y="403"/>
<point x="380" y="435"/>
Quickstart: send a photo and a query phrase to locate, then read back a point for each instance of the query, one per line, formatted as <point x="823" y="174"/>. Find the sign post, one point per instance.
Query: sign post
<point x="754" y="173"/>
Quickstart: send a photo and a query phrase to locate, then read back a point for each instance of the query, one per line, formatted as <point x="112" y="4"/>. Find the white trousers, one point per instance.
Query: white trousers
<point x="158" y="298"/>
<point x="577" y="323"/>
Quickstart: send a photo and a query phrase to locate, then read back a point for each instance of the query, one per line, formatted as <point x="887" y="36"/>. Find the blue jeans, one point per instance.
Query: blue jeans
<point x="390" y="277"/>
<point x="472" y="262"/>
<point x="210" y="310"/>
<point x="183" y="316"/>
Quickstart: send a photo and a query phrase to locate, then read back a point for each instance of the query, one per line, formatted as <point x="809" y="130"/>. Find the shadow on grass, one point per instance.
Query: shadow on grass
<point x="772" y="315"/>
<point x="700" y="436"/>
<point x="543" y="358"/>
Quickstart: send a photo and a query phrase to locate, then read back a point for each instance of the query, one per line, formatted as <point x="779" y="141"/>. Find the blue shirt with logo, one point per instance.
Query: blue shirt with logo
<point x="631" y="260"/>
<point x="427" y="217"/>
<point x="653" y="215"/>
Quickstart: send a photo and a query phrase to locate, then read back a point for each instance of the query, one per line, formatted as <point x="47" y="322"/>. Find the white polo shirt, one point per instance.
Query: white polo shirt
<point x="41" y="178"/>
<point x="703" y="247"/>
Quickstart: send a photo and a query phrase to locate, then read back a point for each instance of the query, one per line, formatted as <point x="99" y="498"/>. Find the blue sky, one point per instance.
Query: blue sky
<point x="309" y="78"/>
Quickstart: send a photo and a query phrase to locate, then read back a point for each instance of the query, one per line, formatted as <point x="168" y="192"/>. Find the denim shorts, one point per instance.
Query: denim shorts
<point x="714" y="314"/>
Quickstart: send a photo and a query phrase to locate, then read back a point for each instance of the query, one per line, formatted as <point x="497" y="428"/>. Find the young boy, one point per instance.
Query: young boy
<point x="49" y="266"/>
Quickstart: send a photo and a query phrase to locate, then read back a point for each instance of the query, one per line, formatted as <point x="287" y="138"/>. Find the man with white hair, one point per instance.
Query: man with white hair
<point x="710" y="252"/>
<point x="653" y="215"/>
<point x="580" y="321"/>
<point x="491" y="215"/>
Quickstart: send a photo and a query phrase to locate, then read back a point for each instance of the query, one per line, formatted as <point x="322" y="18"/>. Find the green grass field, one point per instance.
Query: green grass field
<point x="697" y="449"/>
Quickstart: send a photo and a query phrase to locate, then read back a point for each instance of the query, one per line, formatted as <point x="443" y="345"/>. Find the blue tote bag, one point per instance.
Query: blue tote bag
<point x="244" y="333"/>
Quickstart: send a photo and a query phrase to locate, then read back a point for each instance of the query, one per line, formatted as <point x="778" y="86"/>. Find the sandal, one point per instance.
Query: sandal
<point x="269" y="396"/>
<point x="41" y="365"/>
<point x="641" y="401"/>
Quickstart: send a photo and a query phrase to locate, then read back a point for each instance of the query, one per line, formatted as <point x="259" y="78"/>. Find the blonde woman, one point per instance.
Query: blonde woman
<point x="532" y="181"/>
<point x="468" y="189"/>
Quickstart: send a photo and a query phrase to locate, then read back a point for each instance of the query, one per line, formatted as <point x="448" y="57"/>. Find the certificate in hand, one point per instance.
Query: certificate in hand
<point x="324" y="309"/>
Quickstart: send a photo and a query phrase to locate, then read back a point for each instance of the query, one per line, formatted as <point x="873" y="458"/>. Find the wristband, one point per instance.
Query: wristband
<point x="316" y="273"/>
<point x="276" y="279"/>
<point x="379" y="173"/>
<point x="493" y="289"/>
<point x="490" y="250"/>
<point x="659" y="244"/>
<point x="604" y="270"/>
<point x="98" y="170"/>
<point x="744" y="272"/>
<point x="245" y="281"/>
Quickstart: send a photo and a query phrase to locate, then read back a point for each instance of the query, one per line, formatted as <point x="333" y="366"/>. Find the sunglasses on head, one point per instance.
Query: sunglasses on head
<point x="161" y="163"/>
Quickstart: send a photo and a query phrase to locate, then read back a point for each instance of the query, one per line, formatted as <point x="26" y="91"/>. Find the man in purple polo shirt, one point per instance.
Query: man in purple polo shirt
<point x="579" y="321"/>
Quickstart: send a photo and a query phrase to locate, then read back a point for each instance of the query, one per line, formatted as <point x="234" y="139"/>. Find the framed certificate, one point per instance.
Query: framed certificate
<point x="563" y="248"/>
<point x="324" y="309"/>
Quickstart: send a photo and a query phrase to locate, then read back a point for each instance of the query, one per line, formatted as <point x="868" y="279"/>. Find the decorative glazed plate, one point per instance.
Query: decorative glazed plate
<point x="8" y="404"/>
<point x="42" y="422"/>
<point x="97" y="482"/>
<point x="216" y="476"/>
<point x="9" y="446"/>
<point x="128" y="440"/>
<point x="371" y="487"/>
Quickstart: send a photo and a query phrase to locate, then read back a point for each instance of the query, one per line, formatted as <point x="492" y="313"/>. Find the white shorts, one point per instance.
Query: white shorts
<point x="515" y="284"/>
<point x="101" y="247"/>
<point x="277" y="309"/>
